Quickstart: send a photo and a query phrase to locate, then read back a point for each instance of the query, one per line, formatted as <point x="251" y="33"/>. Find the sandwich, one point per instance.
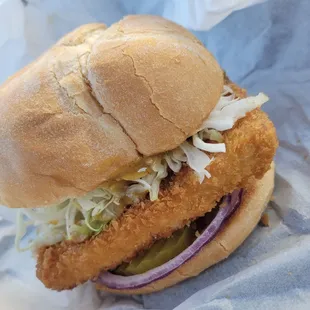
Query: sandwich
<point x="131" y="158"/>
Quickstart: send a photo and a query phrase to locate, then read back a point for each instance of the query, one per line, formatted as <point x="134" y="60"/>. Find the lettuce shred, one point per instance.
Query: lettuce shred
<point x="223" y="117"/>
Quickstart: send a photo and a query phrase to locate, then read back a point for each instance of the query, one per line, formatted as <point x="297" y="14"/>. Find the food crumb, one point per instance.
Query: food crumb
<point x="114" y="224"/>
<point x="264" y="221"/>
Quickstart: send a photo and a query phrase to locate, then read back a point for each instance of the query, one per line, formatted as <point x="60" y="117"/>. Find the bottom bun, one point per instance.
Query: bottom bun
<point x="235" y="231"/>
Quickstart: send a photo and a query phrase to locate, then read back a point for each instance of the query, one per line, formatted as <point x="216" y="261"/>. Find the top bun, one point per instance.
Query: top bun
<point x="96" y="103"/>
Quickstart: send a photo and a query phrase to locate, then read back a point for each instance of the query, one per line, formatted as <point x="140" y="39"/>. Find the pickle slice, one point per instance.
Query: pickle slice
<point x="140" y="264"/>
<point x="161" y="252"/>
<point x="129" y="269"/>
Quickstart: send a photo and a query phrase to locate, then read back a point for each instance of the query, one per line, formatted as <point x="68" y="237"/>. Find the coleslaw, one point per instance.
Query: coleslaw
<point x="80" y="218"/>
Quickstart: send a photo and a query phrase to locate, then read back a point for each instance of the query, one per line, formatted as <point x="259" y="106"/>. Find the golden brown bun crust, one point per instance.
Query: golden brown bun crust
<point x="236" y="230"/>
<point x="170" y="80"/>
<point x="96" y="102"/>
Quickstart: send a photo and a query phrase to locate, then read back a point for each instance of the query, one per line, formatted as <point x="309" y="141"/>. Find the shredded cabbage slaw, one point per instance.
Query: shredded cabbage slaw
<point x="80" y="218"/>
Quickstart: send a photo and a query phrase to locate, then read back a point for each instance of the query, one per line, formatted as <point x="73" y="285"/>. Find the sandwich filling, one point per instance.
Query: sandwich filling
<point x="167" y="255"/>
<point x="78" y="219"/>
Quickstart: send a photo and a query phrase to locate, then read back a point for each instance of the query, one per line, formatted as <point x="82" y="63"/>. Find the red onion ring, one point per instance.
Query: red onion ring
<point x="230" y="204"/>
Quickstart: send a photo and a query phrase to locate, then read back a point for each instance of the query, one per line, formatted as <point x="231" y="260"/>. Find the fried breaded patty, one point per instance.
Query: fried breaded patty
<point x="250" y="148"/>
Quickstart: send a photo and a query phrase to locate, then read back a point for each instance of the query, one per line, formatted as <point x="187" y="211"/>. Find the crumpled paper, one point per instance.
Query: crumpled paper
<point x="27" y="31"/>
<point x="263" y="48"/>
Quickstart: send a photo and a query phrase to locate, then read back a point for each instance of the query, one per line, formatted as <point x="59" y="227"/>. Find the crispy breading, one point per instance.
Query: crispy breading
<point x="250" y="145"/>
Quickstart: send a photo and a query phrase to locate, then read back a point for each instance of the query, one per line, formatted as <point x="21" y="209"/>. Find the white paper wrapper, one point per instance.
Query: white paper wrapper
<point x="12" y="40"/>
<point x="265" y="48"/>
<point x="37" y="26"/>
<point x="203" y="14"/>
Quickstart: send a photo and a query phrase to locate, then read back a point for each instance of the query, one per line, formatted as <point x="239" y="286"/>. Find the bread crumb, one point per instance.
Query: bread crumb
<point x="264" y="221"/>
<point x="114" y="223"/>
